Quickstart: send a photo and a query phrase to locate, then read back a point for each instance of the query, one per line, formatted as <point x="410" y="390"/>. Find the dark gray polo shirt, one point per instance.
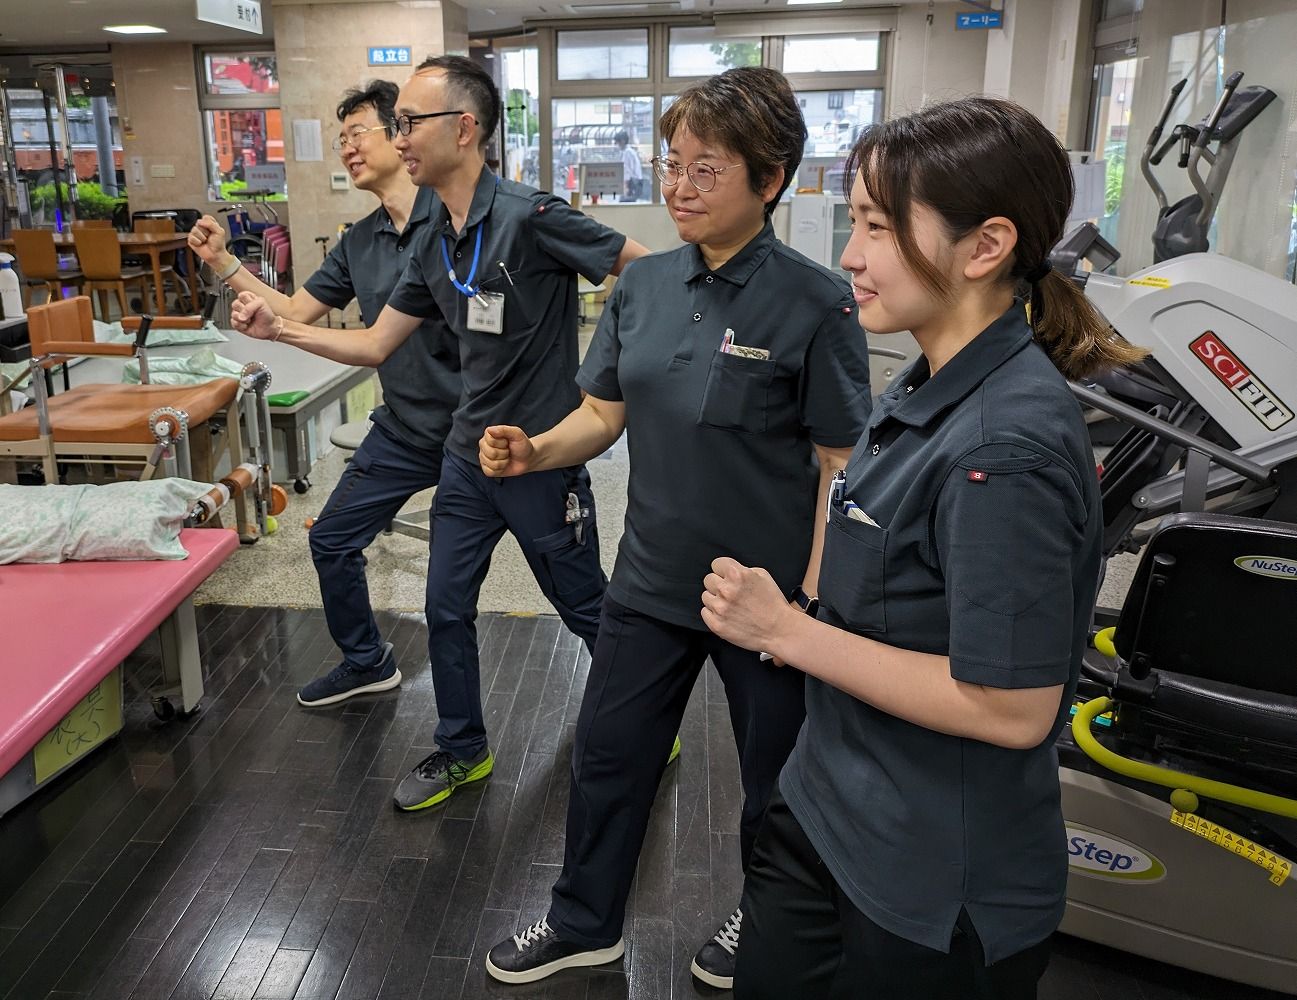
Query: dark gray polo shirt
<point x="421" y="377"/>
<point x="721" y="462"/>
<point x="523" y="376"/>
<point x="986" y="549"/>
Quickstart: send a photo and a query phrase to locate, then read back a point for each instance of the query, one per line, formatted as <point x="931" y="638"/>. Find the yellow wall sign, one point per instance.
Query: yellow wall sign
<point x="94" y="719"/>
<point x="1275" y="865"/>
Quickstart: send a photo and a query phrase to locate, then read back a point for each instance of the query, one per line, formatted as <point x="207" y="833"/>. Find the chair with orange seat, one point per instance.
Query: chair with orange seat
<point x="143" y="424"/>
<point x="93" y="224"/>
<point x="100" y="255"/>
<point x="39" y="262"/>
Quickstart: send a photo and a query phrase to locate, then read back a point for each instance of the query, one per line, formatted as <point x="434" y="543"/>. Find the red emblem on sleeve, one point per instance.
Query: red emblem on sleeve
<point x="977" y="476"/>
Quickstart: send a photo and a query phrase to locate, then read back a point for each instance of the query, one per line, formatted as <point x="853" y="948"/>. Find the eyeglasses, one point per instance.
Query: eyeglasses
<point x="351" y="138"/>
<point x="405" y="123"/>
<point x="701" y="175"/>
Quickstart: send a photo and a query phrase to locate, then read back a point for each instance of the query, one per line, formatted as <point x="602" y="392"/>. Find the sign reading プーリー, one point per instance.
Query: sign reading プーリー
<point x="986" y="19"/>
<point x="242" y="14"/>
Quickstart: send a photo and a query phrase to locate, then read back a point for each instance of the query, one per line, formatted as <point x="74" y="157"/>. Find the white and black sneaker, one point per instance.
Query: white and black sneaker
<point x="714" y="963"/>
<point x="538" y="952"/>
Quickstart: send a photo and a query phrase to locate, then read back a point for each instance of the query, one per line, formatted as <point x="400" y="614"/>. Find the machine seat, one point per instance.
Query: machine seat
<point x="1205" y="637"/>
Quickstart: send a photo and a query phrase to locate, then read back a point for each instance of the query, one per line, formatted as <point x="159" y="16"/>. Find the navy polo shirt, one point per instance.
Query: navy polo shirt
<point x="420" y="378"/>
<point x="721" y="457"/>
<point x="523" y="376"/>
<point x="986" y="548"/>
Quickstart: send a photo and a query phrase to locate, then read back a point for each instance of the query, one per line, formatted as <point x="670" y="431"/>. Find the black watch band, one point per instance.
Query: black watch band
<point x="803" y="600"/>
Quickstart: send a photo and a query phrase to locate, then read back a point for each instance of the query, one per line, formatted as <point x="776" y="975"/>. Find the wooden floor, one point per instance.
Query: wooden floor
<point x="253" y="851"/>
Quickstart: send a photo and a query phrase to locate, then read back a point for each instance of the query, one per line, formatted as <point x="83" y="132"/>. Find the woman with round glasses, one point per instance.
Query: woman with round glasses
<point x="737" y="370"/>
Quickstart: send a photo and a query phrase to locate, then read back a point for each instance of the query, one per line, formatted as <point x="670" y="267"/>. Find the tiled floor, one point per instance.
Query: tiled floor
<point x="252" y="851"/>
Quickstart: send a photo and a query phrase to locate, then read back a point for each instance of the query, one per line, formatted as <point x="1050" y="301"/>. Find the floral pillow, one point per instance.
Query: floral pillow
<point x="51" y="524"/>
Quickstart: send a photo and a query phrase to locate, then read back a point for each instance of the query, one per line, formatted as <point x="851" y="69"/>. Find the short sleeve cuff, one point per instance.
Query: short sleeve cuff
<point x="599" y="390"/>
<point x="1018" y="675"/>
<point x="327" y="294"/>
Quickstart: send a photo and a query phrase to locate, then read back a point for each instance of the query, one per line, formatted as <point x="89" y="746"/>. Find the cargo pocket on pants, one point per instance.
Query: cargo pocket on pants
<point x="575" y="572"/>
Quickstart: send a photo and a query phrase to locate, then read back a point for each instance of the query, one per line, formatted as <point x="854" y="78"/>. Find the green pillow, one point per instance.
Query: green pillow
<point x="133" y="520"/>
<point x="286" y="398"/>
<point x="112" y="333"/>
<point x="201" y="366"/>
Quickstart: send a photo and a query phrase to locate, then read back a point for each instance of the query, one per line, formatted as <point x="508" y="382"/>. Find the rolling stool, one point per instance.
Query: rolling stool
<point x="348" y="437"/>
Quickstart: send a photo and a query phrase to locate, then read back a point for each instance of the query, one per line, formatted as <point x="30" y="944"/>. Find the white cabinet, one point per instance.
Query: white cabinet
<point x="818" y="227"/>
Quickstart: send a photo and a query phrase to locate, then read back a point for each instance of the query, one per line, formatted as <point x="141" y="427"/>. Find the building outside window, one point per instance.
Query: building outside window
<point x="239" y="97"/>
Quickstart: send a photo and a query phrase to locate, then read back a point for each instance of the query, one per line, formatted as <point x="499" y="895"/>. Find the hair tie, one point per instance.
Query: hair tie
<point x="1037" y="274"/>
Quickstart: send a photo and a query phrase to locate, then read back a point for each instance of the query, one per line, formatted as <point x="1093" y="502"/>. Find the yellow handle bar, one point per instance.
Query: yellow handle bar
<point x="1219" y="790"/>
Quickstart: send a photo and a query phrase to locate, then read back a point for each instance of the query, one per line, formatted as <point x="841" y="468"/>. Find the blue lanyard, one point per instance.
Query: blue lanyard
<point x="466" y="287"/>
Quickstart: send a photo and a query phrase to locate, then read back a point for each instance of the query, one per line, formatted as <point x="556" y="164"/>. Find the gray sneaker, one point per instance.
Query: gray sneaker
<point x="436" y="776"/>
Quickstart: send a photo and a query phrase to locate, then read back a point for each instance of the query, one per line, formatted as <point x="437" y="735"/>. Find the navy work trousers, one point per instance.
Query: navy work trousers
<point x="380" y="477"/>
<point x="802" y="937"/>
<point x="641" y="675"/>
<point x="472" y="512"/>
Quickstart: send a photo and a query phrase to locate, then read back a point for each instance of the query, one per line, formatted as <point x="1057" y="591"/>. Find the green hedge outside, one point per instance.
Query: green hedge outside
<point x="92" y="203"/>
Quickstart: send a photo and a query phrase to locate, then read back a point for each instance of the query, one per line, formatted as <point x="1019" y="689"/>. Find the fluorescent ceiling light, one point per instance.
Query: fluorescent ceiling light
<point x="808" y="3"/>
<point x="134" y="29"/>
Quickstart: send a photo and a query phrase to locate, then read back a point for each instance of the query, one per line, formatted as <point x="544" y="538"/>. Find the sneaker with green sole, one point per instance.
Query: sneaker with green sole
<point x="436" y="777"/>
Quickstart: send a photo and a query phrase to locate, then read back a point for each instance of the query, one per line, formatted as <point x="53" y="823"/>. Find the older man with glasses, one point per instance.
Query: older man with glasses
<point x="500" y="263"/>
<point x="402" y="453"/>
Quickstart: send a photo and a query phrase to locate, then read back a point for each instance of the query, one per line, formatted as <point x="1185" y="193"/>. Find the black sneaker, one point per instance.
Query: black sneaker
<point x="538" y="952"/>
<point x="437" y="775"/>
<point x="344" y="682"/>
<point x="714" y="963"/>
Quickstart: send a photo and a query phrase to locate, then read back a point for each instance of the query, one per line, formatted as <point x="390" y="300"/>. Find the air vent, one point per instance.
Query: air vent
<point x="605" y="9"/>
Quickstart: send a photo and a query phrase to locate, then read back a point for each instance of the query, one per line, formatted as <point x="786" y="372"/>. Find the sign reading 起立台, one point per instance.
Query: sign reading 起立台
<point x="242" y="14"/>
<point x="382" y="55"/>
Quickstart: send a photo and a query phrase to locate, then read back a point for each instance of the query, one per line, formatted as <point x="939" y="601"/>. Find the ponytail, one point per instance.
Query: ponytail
<point x="1077" y="339"/>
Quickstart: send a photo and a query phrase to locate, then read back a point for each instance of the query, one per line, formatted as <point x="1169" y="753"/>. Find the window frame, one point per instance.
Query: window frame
<point x="660" y="85"/>
<point x="229" y="102"/>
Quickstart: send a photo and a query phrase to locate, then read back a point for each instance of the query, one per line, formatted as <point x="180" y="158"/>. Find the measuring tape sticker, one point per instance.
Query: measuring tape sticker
<point x="1152" y="281"/>
<point x="1279" y="868"/>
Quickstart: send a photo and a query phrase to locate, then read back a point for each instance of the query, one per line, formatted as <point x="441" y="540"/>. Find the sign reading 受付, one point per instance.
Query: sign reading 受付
<point x="242" y="14"/>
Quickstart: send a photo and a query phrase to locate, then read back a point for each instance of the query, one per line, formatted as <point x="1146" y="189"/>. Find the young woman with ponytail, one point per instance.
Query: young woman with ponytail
<point x="915" y="846"/>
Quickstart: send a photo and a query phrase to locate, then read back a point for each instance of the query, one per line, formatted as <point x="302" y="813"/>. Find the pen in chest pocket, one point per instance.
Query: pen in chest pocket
<point x="837" y="490"/>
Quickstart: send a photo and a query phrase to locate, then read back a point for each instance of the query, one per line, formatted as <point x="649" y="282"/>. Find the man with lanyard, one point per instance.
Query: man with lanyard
<point x="501" y="265"/>
<point x="401" y="454"/>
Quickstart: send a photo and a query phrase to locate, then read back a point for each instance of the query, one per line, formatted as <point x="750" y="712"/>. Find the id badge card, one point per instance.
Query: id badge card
<point x="486" y="312"/>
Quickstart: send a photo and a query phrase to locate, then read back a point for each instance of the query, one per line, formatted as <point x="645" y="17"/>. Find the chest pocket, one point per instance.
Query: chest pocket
<point x="853" y="572"/>
<point x="737" y="393"/>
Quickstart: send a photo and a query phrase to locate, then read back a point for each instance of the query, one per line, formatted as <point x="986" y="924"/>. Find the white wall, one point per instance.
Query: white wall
<point x="955" y="61"/>
<point x="1255" y="215"/>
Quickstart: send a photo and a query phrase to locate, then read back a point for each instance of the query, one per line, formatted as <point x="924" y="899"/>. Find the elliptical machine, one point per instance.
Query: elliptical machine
<point x="1209" y="414"/>
<point x="1182" y="228"/>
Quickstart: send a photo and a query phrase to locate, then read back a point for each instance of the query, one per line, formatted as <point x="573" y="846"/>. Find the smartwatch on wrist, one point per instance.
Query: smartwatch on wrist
<point x="803" y="600"/>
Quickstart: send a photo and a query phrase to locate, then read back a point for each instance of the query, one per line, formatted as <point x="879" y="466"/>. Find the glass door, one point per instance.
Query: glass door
<point x="1113" y="94"/>
<point x="520" y="83"/>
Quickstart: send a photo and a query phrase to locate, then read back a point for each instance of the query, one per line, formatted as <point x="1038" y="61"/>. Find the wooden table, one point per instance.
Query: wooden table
<point x="151" y="245"/>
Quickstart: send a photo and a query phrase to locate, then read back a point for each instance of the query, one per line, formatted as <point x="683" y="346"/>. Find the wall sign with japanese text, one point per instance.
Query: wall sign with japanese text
<point x="389" y="55"/>
<point x="242" y="14"/>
